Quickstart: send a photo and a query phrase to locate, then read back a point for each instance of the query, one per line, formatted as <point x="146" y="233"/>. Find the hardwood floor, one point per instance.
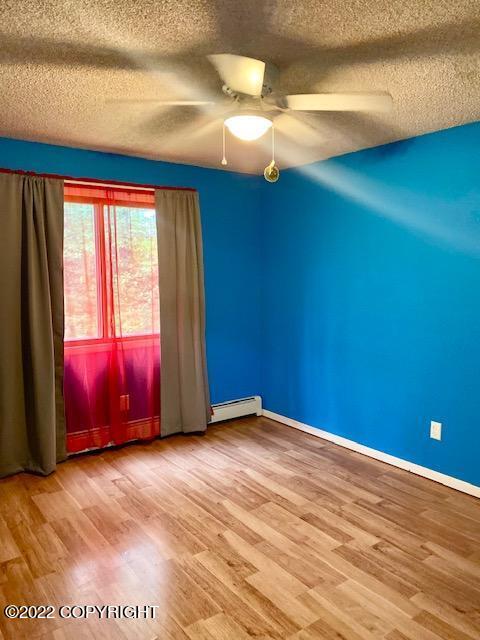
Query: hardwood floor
<point x="252" y="531"/>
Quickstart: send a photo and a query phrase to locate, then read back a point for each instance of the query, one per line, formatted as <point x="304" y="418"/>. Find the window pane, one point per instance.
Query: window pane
<point x="136" y="296"/>
<point x="81" y="306"/>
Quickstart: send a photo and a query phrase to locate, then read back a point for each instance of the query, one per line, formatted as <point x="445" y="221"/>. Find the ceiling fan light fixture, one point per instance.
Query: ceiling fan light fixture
<point x="248" y="127"/>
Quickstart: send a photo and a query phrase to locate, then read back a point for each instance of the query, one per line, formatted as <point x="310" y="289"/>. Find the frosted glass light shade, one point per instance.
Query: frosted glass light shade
<point x="248" y="127"/>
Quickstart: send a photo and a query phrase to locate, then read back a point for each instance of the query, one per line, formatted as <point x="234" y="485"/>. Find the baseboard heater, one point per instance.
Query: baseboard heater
<point x="237" y="408"/>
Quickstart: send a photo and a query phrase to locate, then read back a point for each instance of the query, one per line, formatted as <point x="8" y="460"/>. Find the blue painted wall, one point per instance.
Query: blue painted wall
<point x="371" y="298"/>
<point x="229" y="207"/>
<point x="347" y="293"/>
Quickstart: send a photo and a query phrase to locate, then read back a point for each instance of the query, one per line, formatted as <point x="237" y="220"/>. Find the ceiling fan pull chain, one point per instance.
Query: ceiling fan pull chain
<point x="272" y="172"/>
<point x="224" y="159"/>
<point x="273" y="143"/>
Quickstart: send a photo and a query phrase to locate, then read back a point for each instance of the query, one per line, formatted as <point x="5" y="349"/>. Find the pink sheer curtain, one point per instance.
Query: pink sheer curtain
<point x="112" y="342"/>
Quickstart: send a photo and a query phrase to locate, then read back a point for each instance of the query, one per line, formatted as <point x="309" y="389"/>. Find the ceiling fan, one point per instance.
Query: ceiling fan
<point x="251" y="103"/>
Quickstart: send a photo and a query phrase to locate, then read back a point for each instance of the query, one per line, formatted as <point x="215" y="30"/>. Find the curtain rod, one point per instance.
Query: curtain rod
<point x="89" y="183"/>
<point x="95" y="181"/>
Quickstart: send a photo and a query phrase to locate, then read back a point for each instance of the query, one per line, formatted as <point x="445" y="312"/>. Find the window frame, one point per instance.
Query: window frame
<point x="100" y="273"/>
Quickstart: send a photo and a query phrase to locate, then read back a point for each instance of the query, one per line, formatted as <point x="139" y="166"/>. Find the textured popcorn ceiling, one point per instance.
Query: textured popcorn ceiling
<point x="61" y="59"/>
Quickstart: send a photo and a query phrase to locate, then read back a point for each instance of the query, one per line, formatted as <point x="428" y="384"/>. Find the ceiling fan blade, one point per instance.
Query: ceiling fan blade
<point x="166" y="103"/>
<point x="196" y="128"/>
<point x="298" y="130"/>
<point x="241" y="74"/>
<point x="340" y="102"/>
<point x="455" y="37"/>
<point x="187" y="136"/>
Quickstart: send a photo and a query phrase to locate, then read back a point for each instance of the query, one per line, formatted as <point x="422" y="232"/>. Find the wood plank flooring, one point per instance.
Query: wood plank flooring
<point x="252" y="531"/>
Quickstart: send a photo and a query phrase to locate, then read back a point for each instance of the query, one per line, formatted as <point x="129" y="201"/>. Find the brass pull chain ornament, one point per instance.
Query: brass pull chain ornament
<point x="272" y="172"/>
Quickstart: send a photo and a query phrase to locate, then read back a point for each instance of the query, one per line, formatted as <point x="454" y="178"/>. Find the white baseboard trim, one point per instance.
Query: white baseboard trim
<point x="442" y="478"/>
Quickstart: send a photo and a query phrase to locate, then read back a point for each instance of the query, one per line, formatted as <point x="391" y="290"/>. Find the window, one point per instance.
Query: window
<point x="136" y="246"/>
<point x="80" y="272"/>
<point x="110" y="264"/>
<point x="112" y="342"/>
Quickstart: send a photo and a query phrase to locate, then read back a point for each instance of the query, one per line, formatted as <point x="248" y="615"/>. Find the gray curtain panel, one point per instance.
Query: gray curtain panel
<point x="32" y="426"/>
<point x="185" y="399"/>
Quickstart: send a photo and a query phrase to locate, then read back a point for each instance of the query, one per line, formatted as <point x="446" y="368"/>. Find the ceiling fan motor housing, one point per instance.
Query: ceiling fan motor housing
<point x="269" y="79"/>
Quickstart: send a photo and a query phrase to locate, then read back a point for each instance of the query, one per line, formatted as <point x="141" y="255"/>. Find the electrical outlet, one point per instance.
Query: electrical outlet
<point x="435" y="430"/>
